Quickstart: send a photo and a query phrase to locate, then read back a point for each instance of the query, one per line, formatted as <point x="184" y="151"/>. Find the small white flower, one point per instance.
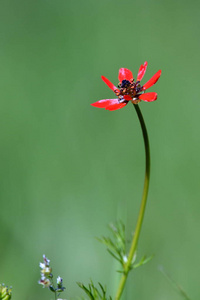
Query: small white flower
<point x="45" y="282"/>
<point x="46" y="260"/>
<point x="46" y="271"/>
<point x="42" y="276"/>
<point x="42" y="265"/>
<point x="59" y="280"/>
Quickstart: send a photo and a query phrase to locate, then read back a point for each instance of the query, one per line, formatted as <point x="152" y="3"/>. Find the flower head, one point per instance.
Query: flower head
<point x="60" y="287"/>
<point x="46" y="279"/>
<point x="45" y="269"/>
<point x="59" y="280"/>
<point x="45" y="282"/>
<point x="128" y="89"/>
<point x="46" y="260"/>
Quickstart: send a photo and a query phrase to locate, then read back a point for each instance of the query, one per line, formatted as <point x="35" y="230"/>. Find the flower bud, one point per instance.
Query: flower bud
<point x="60" y="287"/>
<point x="46" y="271"/>
<point x="5" y="293"/>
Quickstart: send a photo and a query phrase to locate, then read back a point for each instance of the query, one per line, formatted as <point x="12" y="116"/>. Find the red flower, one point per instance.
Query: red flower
<point x="128" y="90"/>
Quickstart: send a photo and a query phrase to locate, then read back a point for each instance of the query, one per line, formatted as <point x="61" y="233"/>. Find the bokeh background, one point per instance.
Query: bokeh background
<point x="69" y="169"/>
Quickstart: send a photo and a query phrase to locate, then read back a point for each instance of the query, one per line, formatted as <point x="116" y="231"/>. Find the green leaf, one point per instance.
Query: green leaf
<point x="113" y="255"/>
<point x="93" y="292"/>
<point x="102" y="288"/>
<point x="117" y="245"/>
<point x="87" y="291"/>
<point x="143" y="261"/>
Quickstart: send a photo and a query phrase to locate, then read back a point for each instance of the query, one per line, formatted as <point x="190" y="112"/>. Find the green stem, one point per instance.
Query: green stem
<point x="142" y="206"/>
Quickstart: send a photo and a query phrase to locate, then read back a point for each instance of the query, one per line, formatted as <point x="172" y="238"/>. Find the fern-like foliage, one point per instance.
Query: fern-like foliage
<point x="94" y="293"/>
<point x="117" y="247"/>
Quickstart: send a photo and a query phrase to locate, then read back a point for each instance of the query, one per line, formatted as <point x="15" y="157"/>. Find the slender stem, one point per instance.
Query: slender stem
<point x="142" y="206"/>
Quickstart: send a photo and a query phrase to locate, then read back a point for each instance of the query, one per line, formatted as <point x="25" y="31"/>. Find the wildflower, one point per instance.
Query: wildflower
<point x="45" y="269"/>
<point x="46" y="262"/>
<point x="45" y="282"/>
<point x="60" y="287"/>
<point x="59" y="281"/>
<point x="128" y="89"/>
<point x="45" y="272"/>
<point x="46" y="279"/>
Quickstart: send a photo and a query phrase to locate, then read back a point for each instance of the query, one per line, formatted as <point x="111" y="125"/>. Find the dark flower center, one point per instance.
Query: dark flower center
<point x="128" y="88"/>
<point x="125" y="84"/>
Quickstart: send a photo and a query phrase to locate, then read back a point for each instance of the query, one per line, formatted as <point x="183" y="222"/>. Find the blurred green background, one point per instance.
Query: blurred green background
<point x="68" y="169"/>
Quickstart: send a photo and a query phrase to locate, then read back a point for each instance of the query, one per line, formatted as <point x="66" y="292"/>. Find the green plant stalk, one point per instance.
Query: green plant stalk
<point x="138" y="227"/>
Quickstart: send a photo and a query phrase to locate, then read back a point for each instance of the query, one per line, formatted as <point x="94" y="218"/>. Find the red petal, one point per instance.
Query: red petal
<point x="152" y="81"/>
<point x="125" y="74"/>
<point x="148" y="97"/>
<point x="109" y="84"/>
<point x="110" y="104"/>
<point x="104" y="103"/>
<point x="116" y="106"/>
<point x="127" y="97"/>
<point x="142" y="71"/>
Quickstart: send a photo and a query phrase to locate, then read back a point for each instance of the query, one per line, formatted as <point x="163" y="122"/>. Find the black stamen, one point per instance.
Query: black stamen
<point x="125" y="83"/>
